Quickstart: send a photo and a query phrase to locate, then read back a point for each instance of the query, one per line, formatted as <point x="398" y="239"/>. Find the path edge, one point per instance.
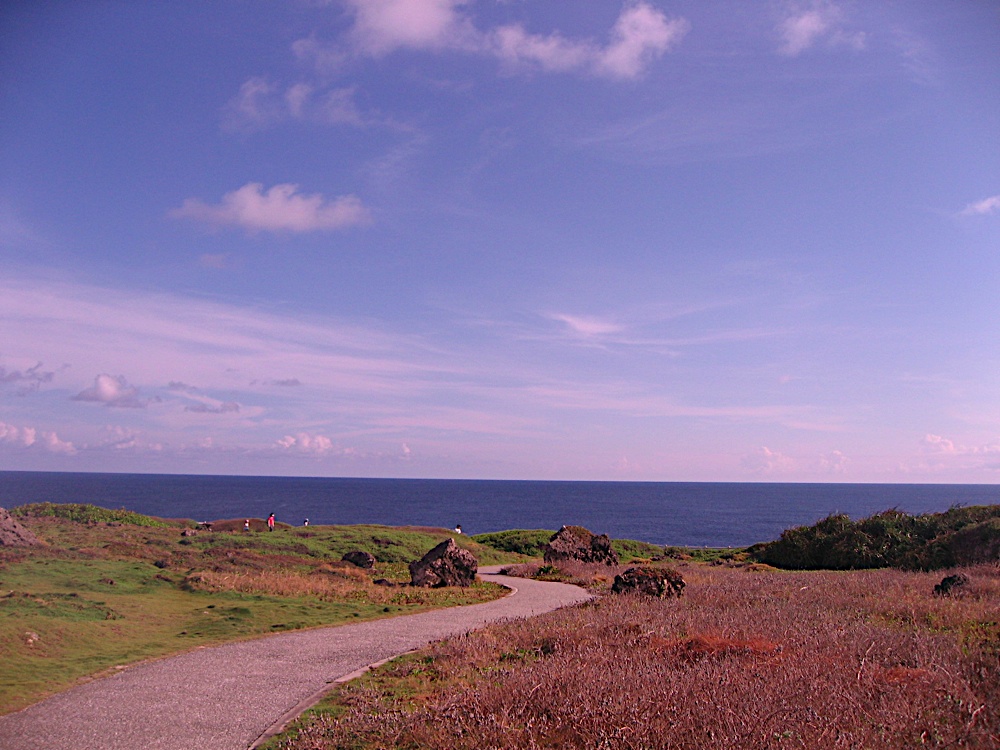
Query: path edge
<point x="309" y="701"/>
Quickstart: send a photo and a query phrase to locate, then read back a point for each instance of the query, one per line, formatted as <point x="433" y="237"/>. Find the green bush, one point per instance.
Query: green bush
<point x="931" y="541"/>
<point x="528" y="542"/>
<point x="84" y="513"/>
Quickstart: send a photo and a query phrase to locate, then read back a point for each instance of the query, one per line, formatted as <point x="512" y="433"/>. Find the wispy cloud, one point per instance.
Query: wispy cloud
<point x="262" y="103"/>
<point x="982" y="208"/>
<point x="280" y="209"/>
<point x="587" y="326"/>
<point x="28" y="380"/>
<point x="804" y="28"/>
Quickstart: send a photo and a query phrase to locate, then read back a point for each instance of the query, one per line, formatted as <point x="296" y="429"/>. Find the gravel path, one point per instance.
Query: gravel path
<point x="226" y="697"/>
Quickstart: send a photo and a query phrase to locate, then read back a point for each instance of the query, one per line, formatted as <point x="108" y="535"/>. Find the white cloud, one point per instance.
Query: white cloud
<point x="112" y="390"/>
<point x="983" y="207"/>
<point x="304" y="442"/>
<point x="942" y="446"/>
<point x="280" y="209"/>
<point x="640" y="34"/>
<point x="382" y="26"/>
<point x="27" y="437"/>
<point x="767" y="461"/>
<point x="54" y="445"/>
<point x="297" y="96"/>
<point x="820" y="22"/>
<point x="337" y="107"/>
<point x="17" y="435"/>
<point x="326" y="58"/>
<point x="938" y="444"/>
<point x="552" y="53"/>
<point x="834" y="462"/>
<point x="799" y="32"/>
<point x="254" y="107"/>
<point x="261" y="104"/>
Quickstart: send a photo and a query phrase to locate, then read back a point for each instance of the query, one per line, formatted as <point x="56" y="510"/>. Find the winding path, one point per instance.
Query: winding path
<point x="227" y="697"/>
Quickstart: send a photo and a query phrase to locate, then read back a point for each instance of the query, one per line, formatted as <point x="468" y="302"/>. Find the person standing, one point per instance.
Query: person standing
<point x="270" y="522"/>
<point x="246" y="525"/>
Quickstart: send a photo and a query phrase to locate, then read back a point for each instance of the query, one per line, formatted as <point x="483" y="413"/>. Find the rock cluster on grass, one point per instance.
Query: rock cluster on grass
<point x="577" y="543"/>
<point x="651" y="581"/>
<point x="445" y="565"/>
<point x="360" y="558"/>
<point x="13" y="534"/>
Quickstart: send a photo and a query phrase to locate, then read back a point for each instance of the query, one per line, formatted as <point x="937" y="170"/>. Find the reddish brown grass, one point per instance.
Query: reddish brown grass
<point x="744" y="660"/>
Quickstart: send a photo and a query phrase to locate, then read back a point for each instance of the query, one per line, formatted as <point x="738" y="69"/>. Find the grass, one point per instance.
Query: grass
<point x="110" y="588"/>
<point x="746" y="659"/>
<point x="531" y="543"/>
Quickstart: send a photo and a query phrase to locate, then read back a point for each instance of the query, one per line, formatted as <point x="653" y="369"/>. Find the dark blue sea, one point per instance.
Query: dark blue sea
<point x="680" y="513"/>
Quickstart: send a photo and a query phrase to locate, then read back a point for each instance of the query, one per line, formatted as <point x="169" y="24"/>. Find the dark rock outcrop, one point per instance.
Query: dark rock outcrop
<point x="951" y="584"/>
<point x="651" y="581"/>
<point x="360" y="558"/>
<point x="577" y="543"/>
<point x="445" y="565"/>
<point x="13" y="534"/>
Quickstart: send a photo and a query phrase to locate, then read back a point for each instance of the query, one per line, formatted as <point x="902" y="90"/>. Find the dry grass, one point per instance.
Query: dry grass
<point x="744" y="660"/>
<point x="332" y="583"/>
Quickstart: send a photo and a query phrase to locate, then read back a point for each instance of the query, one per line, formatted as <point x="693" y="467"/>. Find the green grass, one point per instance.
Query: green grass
<point x="531" y="543"/>
<point x="83" y="513"/>
<point x="527" y="542"/>
<point x="110" y="588"/>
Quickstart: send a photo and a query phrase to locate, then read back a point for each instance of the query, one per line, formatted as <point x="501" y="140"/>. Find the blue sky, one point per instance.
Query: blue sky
<point x="720" y="241"/>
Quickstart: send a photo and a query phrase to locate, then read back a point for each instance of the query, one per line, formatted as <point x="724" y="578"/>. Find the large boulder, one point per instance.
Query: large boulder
<point x="650" y="581"/>
<point x="13" y="534"/>
<point x="577" y="543"/>
<point x="360" y="558"/>
<point x="445" y="565"/>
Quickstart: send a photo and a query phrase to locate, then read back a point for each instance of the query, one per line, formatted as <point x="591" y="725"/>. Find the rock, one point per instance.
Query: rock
<point x="949" y="584"/>
<point x="658" y="582"/>
<point x="13" y="534"/>
<point x="445" y="565"/>
<point x="189" y="532"/>
<point x="577" y="543"/>
<point x="360" y="558"/>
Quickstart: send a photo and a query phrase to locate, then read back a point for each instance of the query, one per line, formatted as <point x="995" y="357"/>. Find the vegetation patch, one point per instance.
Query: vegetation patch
<point x="109" y="588"/>
<point x="817" y="659"/>
<point x="931" y="541"/>
<point x="84" y="513"/>
<point x="527" y="542"/>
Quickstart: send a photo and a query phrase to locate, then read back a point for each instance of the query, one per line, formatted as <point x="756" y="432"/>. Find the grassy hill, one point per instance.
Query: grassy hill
<point x="110" y="587"/>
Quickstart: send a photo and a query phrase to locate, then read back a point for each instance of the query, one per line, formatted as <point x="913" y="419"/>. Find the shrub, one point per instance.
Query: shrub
<point x="959" y="536"/>
<point x="84" y="513"/>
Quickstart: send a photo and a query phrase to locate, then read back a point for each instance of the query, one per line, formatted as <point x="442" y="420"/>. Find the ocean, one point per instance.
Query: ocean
<point x="670" y="513"/>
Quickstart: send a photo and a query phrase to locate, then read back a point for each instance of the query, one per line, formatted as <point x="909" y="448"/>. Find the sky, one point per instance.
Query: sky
<point x="657" y="240"/>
